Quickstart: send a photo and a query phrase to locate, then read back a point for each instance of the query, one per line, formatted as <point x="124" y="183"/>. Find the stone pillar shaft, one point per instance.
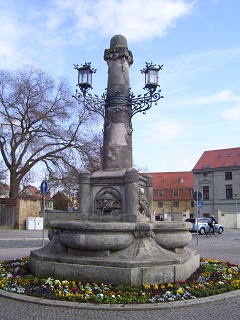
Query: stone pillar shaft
<point x="117" y="145"/>
<point x="85" y="200"/>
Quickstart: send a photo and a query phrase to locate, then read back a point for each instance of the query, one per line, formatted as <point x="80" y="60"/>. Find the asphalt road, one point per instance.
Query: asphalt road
<point x="19" y="243"/>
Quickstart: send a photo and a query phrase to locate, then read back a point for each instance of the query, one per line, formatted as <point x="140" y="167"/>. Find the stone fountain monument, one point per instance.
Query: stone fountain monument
<point x="115" y="238"/>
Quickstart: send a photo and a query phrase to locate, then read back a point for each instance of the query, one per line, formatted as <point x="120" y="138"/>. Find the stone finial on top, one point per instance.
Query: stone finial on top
<point x="118" y="41"/>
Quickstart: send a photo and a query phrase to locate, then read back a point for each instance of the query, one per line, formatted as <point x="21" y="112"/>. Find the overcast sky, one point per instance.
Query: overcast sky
<point x="197" y="41"/>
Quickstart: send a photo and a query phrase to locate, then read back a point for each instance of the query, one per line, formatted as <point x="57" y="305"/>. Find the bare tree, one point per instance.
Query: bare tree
<point x="41" y="124"/>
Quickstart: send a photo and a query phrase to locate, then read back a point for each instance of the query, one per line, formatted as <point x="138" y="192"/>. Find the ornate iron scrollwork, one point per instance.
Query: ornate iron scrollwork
<point x="92" y="103"/>
<point x="142" y="103"/>
<point x="133" y="104"/>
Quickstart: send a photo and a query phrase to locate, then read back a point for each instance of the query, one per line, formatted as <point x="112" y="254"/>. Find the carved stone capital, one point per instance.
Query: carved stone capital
<point x="149" y="182"/>
<point x="131" y="176"/>
<point x="84" y="176"/>
<point x="119" y="52"/>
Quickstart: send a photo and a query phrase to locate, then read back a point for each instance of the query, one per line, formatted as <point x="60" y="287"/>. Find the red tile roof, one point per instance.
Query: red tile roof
<point x="60" y="194"/>
<point x="219" y="159"/>
<point x="168" y="181"/>
<point x="35" y="192"/>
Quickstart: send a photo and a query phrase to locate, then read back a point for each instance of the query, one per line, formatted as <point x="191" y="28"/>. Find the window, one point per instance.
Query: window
<point x="205" y="174"/>
<point x="228" y="175"/>
<point x="160" y="193"/>
<point x="229" y="192"/>
<point x="160" y="204"/>
<point x="176" y="192"/>
<point x="192" y="204"/>
<point x="176" y="204"/>
<point x="206" y="192"/>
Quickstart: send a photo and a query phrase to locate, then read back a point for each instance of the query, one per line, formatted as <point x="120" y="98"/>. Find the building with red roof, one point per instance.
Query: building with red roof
<point x="172" y="195"/>
<point x="33" y="193"/>
<point x="217" y="176"/>
<point x="61" y="202"/>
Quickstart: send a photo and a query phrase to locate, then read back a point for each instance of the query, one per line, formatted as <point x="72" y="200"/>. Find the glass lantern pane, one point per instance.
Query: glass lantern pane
<point x="152" y="76"/>
<point x="84" y="76"/>
<point x="90" y="78"/>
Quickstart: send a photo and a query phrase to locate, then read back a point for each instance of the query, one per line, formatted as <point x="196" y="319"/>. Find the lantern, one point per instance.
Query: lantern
<point x="85" y="77"/>
<point x="151" y="76"/>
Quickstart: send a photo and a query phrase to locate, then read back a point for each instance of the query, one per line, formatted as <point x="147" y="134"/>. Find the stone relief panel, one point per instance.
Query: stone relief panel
<point x="108" y="201"/>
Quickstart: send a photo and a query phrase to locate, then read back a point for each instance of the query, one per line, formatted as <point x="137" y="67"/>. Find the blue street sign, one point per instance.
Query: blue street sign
<point x="44" y="187"/>
<point x="200" y="204"/>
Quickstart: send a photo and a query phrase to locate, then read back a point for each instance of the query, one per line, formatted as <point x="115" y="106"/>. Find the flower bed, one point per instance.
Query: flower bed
<point x="213" y="277"/>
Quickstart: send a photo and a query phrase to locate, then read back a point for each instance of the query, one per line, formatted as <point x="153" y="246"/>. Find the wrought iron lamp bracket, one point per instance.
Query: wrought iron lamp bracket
<point x="142" y="103"/>
<point x="92" y="103"/>
<point x="116" y="103"/>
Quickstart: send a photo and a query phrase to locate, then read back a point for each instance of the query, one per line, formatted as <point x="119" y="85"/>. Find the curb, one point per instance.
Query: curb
<point x="114" y="307"/>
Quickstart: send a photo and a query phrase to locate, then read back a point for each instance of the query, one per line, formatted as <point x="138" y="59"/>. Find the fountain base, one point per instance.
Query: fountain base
<point x="117" y="253"/>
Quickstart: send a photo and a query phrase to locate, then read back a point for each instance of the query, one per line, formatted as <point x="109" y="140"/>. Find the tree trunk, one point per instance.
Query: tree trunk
<point x="14" y="185"/>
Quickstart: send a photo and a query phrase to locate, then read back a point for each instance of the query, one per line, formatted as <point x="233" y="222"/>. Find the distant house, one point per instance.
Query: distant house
<point x="61" y="202"/>
<point x="217" y="176"/>
<point x="34" y="194"/>
<point x="172" y="195"/>
<point x="4" y="190"/>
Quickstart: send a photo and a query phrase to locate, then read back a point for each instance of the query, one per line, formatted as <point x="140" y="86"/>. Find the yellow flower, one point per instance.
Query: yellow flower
<point x="57" y="282"/>
<point x="180" y="291"/>
<point x="59" y="293"/>
<point x="236" y="283"/>
<point x="170" y="285"/>
<point x="155" y="287"/>
<point x="162" y="286"/>
<point x="147" y="286"/>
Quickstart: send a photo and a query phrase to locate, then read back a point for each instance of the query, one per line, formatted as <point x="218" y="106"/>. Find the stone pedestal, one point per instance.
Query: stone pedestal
<point x="116" y="253"/>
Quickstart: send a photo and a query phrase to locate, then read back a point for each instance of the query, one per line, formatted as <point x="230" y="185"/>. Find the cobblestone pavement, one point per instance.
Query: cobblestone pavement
<point x="16" y="243"/>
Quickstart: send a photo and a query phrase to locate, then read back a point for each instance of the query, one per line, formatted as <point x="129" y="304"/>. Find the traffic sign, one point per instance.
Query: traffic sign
<point x="44" y="187"/>
<point x="197" y="195"/>
<point x="200" y="204"/>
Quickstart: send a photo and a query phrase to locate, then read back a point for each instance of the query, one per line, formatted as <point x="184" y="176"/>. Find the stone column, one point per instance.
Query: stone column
<point x="85" y="199"/>
<point x="117" y="145"/>
<point x="131" y="180"/>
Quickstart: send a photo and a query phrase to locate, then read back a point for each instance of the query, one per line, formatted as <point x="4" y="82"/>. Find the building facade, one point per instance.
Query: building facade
<point x="172" y="195"/>
<point x="32" y="193"/>
<point x="217" y="176"/>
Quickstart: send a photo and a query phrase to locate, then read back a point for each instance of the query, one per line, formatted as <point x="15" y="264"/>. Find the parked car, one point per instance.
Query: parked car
<point x="202" y="225"/>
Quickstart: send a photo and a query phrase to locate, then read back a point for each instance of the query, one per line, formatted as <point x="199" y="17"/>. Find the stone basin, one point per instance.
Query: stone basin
<point x="116" y="236"/>
<point x="171" y="235"/>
